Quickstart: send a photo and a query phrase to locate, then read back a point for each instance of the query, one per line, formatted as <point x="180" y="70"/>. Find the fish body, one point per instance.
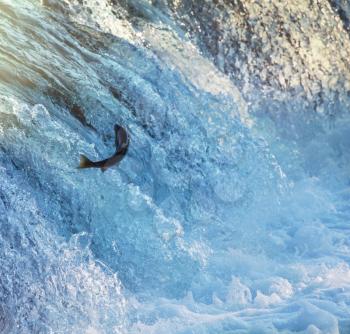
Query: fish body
<point x="122" y="145"/>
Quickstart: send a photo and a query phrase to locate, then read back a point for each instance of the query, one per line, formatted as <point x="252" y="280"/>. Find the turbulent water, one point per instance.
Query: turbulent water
<point x="231" y="211"/>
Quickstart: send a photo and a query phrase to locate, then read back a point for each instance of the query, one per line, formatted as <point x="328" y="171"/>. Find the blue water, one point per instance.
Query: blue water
<point x="230" y="213"/>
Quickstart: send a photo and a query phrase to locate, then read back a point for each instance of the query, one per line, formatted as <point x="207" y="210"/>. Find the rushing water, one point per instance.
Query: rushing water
<point x="230" y="213"/>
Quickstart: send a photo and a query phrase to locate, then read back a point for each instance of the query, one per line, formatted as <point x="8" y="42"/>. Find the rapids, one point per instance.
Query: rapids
<point x="230" y="213"/>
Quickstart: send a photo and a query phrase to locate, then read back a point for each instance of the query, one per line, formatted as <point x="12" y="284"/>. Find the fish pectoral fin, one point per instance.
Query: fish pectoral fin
<point x="103" y="169"/>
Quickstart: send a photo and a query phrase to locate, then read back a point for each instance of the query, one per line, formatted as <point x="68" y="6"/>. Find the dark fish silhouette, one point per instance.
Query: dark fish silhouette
<point x="121" y="143"/>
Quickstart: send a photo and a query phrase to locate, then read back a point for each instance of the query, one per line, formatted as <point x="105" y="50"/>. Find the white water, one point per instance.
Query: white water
<point x="230" y="213"/>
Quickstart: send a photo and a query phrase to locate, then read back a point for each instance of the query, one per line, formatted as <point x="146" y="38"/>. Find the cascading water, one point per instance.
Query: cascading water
<point x="230" y="213"/>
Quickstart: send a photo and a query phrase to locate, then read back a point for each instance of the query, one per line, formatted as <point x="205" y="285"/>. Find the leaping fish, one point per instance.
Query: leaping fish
<point x="121" y="143"/>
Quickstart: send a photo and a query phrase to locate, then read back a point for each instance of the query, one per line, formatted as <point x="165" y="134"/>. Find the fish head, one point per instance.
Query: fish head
<point x="117" y="127"/>
<point x="122" y="137"/>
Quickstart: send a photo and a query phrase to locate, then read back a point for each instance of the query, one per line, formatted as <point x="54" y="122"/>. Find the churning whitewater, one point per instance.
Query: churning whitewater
<point x="230" y="212"/>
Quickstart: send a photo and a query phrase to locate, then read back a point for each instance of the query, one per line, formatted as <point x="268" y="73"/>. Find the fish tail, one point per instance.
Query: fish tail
<point x="85" y="162"/>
